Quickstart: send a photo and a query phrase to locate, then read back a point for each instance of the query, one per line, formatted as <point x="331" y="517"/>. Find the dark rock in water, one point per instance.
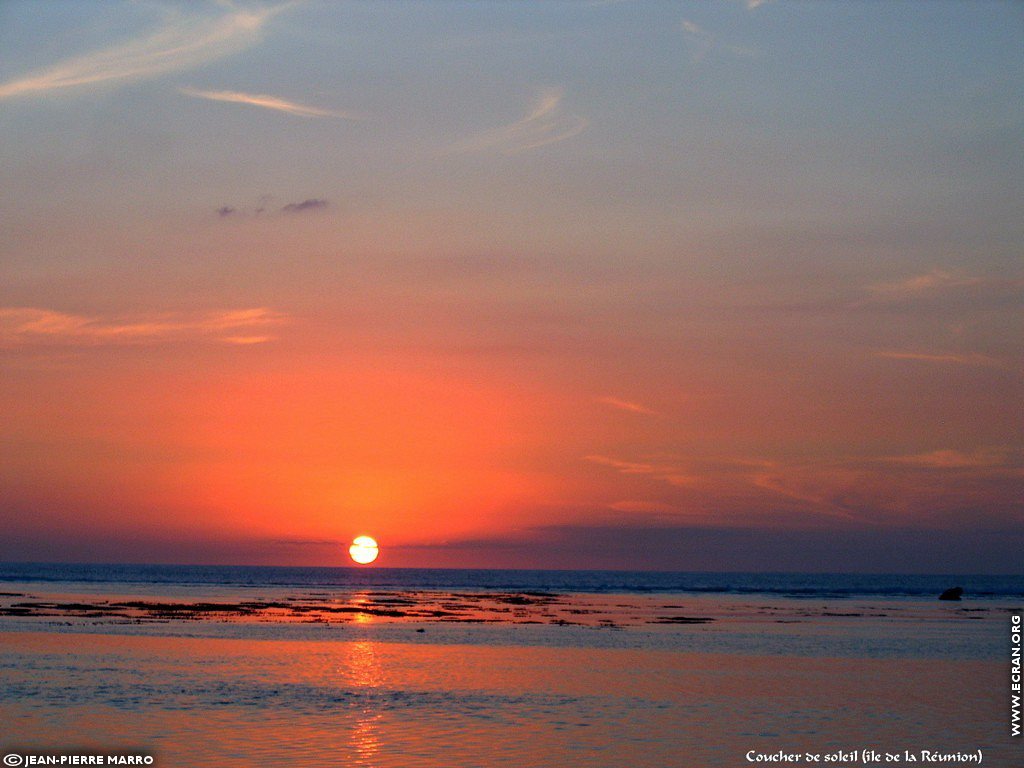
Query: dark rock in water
<point x="953" y="593"/>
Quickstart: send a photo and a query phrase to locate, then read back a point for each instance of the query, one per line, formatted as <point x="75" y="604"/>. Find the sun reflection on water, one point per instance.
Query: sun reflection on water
<point x="361" y="600"/>
<point x="364" y="670"/>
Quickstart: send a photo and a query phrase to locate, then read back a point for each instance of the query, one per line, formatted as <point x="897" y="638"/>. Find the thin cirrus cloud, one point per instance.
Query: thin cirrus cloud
<point x="702" y="42"/>
<point x="669" y="473"/>
<point x="930" y="282"/>
<point x="546" y="123"/>
<point x="942" y="285"/>
<point x="30" y="326"/>
<point x="625" y="405"/>
<point x="642" y="507"/>
<point x="953" y="459"/>
<point x="274" y="103"/>
<point x="973" y="358"/>
<point x="185" y="41"/>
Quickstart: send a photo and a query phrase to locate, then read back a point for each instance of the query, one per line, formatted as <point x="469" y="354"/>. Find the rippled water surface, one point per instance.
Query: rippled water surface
<point x="228" y="668"/>
<point x="215" y="702"/>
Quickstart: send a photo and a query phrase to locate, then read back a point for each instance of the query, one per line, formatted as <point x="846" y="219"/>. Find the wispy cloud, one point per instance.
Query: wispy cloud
<point x="625" y="405"/>
<point x="270" y="102"/>
<point x="26" y="326"/>
<point x="869" y="489"/>
<point x="880" y="489"/>
<point x="246" y="340"/>
<point x="778" y="482"/>
<point x="184" y="41"/>
<point x="669" y="473"/>
<point x="837" y="489"/>
<point x="930" y="282"/>
<point x="953" y="459"/>
<point x="546" y="123"/>
<point x="702" y="42"/>
<point x="950" y="358"/>
<point x="642" y="507"/>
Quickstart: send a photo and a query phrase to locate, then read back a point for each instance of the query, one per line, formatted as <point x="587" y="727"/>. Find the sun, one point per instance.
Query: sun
<point x="364" y="550"/>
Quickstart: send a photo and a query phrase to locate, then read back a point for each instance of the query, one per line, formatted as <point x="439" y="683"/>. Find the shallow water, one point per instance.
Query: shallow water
<point x="262" y="673"/>
<point x="209" y="702"/>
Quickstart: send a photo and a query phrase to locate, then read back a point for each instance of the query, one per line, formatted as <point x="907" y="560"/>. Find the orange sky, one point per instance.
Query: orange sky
<point x="624" y="286"/>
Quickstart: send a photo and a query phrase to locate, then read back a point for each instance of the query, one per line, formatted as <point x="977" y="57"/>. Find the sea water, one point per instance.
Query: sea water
<point x="585" y="668"/>
<point x="188" y="578"/>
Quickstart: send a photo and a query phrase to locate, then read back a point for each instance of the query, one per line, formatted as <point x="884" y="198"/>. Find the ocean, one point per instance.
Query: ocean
<point x="795" y="585"/>
<point x="253" y="666"/>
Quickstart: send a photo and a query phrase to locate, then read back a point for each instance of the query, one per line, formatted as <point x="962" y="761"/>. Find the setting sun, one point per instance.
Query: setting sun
<point x="364" y="550"/>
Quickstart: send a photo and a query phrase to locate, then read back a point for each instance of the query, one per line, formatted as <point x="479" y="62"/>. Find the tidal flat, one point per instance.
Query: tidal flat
<point x="390" y="677"/>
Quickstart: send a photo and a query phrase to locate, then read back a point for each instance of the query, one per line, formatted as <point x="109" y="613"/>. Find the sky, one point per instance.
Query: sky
<point x="635" y="285"/>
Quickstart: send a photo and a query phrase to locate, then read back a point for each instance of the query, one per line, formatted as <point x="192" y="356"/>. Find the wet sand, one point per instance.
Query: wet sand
<point x="429" y="606"/>
<point x="407" y="605"/>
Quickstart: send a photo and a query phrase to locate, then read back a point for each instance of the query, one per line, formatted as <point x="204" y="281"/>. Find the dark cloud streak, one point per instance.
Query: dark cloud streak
<point x="312" y="204"/>
<point x="304" y="206"/>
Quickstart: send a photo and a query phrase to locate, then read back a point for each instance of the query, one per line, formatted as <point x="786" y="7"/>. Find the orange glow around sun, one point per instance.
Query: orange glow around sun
<point x="329" y="449"/>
